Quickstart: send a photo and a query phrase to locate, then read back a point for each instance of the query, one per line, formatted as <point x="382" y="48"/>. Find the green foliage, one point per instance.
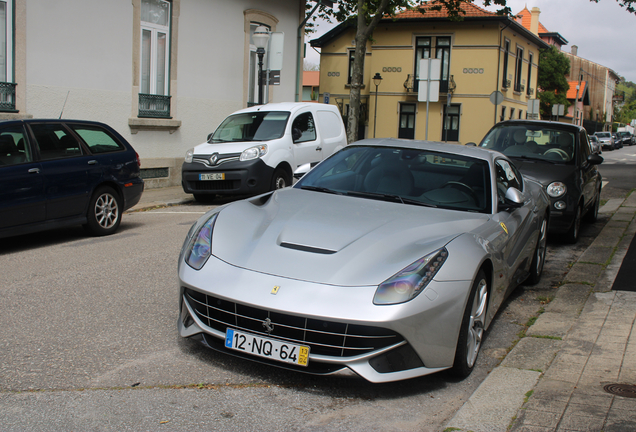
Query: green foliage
<point x="553" y="86"/>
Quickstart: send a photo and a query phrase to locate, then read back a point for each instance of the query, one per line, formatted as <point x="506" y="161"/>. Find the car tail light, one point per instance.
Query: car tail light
<point x="138" y="160"/>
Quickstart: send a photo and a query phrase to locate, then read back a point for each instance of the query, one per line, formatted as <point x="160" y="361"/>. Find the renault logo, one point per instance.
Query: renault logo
<point x="214" y="158"/>
<point x="269" y="327"/>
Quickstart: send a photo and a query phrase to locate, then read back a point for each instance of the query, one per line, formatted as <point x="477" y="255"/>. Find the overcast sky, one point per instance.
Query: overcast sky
<point x="604" y="32"/>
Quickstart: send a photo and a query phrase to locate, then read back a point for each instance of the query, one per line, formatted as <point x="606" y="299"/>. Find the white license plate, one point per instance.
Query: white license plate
<point x="213" y="176"/>
<point x="266" y="347"/>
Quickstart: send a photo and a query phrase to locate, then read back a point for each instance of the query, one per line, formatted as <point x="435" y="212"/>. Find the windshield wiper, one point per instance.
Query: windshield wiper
<point x="389" y="197"/>
<point x="321" y="189"/>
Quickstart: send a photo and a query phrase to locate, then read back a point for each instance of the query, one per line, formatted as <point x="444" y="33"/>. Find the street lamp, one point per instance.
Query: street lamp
<point x="260" y="38"/>
<point x="377" y="79"/>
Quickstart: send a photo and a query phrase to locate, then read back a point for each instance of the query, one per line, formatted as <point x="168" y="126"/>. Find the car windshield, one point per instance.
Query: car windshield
<point x="622" y="134"/>
<point x="405" y="176"/>
<point x="253" y="126"/>
<point x="602" y="134"/>
<point x="526" y="141"/>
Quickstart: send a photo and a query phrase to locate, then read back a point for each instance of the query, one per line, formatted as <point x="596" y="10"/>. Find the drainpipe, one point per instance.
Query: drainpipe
<point x="499" y="63"/>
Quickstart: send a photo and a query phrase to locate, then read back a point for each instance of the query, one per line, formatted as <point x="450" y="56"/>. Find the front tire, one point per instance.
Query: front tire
<point x="572" y="236"/>
<point x="536" y="267"/>
<point x="472" y="328"/>
<point x="281" y="179"/>
<point x="104" y="212"/>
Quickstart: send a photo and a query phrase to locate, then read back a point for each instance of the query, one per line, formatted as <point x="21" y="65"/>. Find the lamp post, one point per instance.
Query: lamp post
<point x="377" y="79"/>
<point x="260" y="38"/>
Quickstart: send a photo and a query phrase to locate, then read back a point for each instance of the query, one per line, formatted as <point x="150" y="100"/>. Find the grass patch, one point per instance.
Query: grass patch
<point x="547" y="337"/>
<point x="544" y="300"/>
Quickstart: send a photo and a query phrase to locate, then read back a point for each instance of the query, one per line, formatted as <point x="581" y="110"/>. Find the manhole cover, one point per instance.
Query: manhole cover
<point x="625" y="390"/>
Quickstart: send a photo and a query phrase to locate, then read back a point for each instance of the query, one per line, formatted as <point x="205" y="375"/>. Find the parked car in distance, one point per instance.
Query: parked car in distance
<point x="559" y="156"/>
<point x="606" y="139"/>
<point x="389" y="260"/>
<point x="626" y="138"/>
<point x="618" y="143"/>
<point x="259" y="149"/>
<point x="596" y="144"/>
<point x="57" y="173"/>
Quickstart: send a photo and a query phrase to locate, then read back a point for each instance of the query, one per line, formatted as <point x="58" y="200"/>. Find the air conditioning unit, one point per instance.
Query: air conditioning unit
<point x="506" y="84"/>
<point x="522" y="87"/>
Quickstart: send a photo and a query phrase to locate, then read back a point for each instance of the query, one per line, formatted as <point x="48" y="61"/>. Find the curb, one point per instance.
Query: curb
<point x="496" y="402"/>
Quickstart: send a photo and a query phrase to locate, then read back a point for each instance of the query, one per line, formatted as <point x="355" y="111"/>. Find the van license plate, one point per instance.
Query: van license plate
<point x="213" y="176"/>
<point x="268" y="348"/>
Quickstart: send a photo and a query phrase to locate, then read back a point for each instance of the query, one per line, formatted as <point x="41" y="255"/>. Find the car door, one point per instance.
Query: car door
<point x="22" y="200"/>
<point x="589" y="172"/>
<point x="65" y="167"/>
<point x="519" y="223"/>
<point x="305" y="146"/>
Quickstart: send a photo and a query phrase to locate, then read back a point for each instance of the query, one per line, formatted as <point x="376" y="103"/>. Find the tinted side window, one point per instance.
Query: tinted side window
<point x="97" y="139"/>
<point x="507" y="176"/>
<point x="14" y="148"/>
<point x="585" y="147"/>
<point x="54" y="141"/>
<point x="304" y="124"/>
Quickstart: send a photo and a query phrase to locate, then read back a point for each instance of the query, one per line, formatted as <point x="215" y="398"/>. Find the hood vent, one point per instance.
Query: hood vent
<point x="308" y="248"/>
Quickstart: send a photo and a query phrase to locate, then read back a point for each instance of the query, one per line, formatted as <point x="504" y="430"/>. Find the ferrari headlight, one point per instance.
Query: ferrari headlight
<point x="254" y="152"/>
<point x="200" y="247"/>
<point x="411" y="281"/>
<point x="556" y="189"/>
<point x="189" y="155"/>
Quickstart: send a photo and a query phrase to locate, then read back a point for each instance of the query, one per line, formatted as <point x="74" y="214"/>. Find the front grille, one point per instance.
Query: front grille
<point x="216" y="185"/>
<point x="222" y="158"/>
<point x="327" y="338"/>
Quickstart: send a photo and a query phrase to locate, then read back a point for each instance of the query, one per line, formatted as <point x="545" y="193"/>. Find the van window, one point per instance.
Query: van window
<point x="304" y="124"/>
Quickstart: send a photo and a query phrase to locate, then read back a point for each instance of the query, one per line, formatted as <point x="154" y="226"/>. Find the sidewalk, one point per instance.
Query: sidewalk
<point x="161" y="197"/>
<point x="576" y="368"/>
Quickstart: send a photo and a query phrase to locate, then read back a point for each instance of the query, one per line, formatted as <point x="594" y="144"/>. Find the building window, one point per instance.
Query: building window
<point x="450" y="132"/>
<point x="154" y="90"/>
<point x="518" y="66"/>
<point x="505" y="83"/>
<point x="528" y="81"/>
<point x="350" y="72"/>
<point x="520" y="114"/>
<point x="503" y="113"/>
<point x="512" y="113"/>
<point x="423" y="48"/>
<point x="7" y="85"/>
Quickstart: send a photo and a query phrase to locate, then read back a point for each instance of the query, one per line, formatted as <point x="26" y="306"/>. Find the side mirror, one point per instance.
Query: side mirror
<point x="210" y="136"/>
<point x="296" y="134"/>
<point x="471" y="144"/>
<point x="512" y="199"/>
<point x="595" y="159"/>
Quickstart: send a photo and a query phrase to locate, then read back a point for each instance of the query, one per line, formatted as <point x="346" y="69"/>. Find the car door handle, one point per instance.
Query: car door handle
<point x="92" y="162"/>
<point x="34" y="171"/>
<point x="318" y="148"/>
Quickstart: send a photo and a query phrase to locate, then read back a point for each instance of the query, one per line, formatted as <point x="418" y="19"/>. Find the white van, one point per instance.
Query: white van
<point x="259" y="149"/>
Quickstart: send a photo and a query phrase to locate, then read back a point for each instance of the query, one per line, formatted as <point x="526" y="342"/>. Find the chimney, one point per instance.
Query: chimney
<point x="574" y="49"/>
<point x="534" y="20"/>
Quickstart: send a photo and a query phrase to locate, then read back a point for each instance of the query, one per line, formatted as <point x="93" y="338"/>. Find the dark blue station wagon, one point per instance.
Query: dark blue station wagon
<point x="56" y="173"/>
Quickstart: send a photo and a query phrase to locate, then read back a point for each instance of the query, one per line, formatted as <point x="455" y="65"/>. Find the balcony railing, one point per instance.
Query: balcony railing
<point x="154" y="106"/>
<point x="7" y="97"/>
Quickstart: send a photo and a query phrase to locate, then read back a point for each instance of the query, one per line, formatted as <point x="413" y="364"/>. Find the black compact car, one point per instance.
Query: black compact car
<point x="559" y="155"/>
<point x="57" y="173"/>
<point x="626" y="138"/>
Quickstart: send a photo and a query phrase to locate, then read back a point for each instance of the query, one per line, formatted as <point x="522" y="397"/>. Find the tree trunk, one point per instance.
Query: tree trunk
<point x="357" y="75"/>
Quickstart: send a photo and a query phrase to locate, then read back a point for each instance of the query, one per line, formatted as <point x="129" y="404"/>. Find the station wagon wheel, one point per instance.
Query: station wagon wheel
<point x="538" y="260"/>
<point x="572" y="236"/>
<point x="280" y="179"/>
<point x="472" y="328"/>
<point x="104" y="212"/>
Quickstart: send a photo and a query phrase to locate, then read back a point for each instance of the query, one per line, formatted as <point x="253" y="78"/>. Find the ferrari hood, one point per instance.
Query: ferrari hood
<point x="332" y="239"/>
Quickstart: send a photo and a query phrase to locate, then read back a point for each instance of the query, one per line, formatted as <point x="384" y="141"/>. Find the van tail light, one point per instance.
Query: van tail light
<point x="138" y="160"/>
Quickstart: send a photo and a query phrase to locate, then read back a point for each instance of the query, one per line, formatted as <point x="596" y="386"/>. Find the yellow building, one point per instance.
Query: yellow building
<point x="484" y="56"/>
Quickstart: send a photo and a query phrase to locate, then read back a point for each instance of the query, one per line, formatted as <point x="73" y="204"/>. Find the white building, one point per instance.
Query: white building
<point x="163" y="73"/>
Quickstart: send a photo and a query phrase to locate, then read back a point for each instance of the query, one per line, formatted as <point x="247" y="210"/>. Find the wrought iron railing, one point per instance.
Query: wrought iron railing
<point x="7" y="96"/>
<point x="155" y="106"/>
